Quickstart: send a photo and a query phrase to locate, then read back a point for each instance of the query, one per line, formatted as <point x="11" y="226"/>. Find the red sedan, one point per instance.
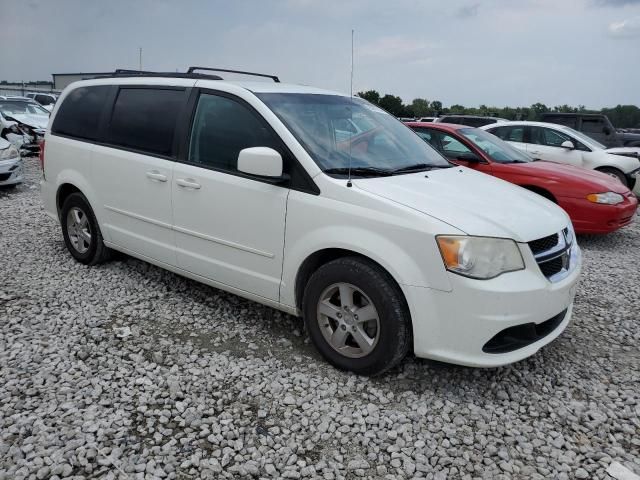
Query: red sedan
<point x="596" y="202"/>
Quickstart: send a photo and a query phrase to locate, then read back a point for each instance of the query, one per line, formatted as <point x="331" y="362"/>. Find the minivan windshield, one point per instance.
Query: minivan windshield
<point x="495" y="148"/>
<point x="341" y="132"/>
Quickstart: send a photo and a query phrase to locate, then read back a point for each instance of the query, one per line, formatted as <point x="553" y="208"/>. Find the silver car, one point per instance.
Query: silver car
<point x="11" y="172"/>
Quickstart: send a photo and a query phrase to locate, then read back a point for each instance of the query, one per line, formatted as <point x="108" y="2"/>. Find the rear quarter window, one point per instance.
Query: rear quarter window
<point x="79" y="114"/>
<point x="144" y="119"/>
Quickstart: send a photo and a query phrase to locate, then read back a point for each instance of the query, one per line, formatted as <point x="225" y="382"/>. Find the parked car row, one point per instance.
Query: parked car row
<point x="595" y="202"/>
<point x="318" y="204"/>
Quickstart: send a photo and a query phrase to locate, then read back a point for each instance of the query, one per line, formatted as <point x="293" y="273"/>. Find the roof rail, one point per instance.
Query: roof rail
<point x="123" y="72"/>
<point x="272" y="77"/>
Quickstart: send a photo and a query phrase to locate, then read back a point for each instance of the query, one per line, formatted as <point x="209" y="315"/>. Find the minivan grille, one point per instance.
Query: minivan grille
<point x="544" y="244"/>
<point x="553" y="253"/>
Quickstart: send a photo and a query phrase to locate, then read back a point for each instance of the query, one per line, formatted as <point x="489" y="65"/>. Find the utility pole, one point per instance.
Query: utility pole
<point x="140" y="59"/>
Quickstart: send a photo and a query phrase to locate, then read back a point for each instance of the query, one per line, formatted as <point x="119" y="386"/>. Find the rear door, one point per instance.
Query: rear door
<point x="229" y="226"/>
<point x="133" y="170"/>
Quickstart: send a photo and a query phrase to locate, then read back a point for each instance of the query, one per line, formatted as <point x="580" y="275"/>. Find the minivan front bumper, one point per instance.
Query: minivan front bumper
<point x="488" y="323"/>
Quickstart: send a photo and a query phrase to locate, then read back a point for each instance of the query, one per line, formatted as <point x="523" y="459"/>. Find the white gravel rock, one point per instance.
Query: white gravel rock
<point x="128" y="371"/>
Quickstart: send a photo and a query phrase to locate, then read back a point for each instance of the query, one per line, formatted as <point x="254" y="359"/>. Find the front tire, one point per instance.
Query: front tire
<point x="81" y="232"/>
<point x="356" y="316"/>
<point x="615" y="173"/>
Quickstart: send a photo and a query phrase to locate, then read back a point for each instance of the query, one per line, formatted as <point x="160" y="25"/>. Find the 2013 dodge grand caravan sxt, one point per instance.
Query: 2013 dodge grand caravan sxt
<point x="317" y="204"/>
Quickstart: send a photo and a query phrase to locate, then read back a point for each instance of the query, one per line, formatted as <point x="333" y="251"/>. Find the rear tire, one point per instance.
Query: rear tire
<point x="81" y="232"/>
<point x="614" y="172"/>
<point x="356" y="316"/>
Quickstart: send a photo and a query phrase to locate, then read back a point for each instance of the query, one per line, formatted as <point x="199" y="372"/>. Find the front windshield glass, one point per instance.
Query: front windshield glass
<point x="21" y="108"/>
<point x="585" y="138"/>
<point x="339" y="132"/>
<point x="498" y="150"/>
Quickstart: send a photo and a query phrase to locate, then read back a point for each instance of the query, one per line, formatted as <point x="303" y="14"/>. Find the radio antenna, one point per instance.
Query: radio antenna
<point x="350" y="111"/>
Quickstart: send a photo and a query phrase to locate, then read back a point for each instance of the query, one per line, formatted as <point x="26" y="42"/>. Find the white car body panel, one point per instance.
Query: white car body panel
<point x="252" y="238"/>
<point x="596" y="158"/>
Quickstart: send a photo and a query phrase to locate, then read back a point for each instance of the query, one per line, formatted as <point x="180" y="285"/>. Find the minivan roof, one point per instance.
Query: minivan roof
<point x="252" y="86"/>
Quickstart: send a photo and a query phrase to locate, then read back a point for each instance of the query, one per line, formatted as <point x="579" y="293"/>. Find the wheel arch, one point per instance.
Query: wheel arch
<point x="543" y="192"/>
<point x="324" y="256"/>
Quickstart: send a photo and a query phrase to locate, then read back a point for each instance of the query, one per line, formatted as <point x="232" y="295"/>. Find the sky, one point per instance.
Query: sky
<point x="469" y="52"/>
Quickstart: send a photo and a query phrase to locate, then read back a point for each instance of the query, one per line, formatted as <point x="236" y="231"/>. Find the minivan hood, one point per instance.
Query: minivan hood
<point x="473" y="202"/>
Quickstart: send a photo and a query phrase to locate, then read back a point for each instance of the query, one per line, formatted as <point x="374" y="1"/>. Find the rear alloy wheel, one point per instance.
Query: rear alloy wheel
<point x="81" y="232"/>
<point x="356" y="316"/>
<point x="615" y="173"/>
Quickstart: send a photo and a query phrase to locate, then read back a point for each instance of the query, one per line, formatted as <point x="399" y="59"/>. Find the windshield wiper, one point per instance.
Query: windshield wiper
<point x="419" y="167"/>
<point x="360" y="171"/>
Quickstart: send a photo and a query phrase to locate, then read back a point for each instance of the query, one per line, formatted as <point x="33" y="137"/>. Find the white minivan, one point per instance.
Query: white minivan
<point x="376" y="240"/>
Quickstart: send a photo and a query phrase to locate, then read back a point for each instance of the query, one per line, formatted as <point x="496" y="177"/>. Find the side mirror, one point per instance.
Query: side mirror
<point x="260" y="161"/>
<point x="469" y="157"/>
<point x="568" y="145"/>
<point x="606" y="130"/>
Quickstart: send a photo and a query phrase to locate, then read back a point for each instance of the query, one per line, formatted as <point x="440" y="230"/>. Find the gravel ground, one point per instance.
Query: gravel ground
<point x="127" y="371"/>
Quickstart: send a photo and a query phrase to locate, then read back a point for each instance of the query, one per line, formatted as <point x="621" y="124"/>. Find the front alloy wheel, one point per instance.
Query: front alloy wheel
<point x="79" y="230"/>
<point x="348" y="320"/>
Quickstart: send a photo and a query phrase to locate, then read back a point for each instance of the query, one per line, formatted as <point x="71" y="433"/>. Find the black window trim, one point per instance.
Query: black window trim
<point x="186" y="127"/>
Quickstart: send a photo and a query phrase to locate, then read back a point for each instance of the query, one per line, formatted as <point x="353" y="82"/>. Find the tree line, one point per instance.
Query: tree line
<point x="622" y="116"/>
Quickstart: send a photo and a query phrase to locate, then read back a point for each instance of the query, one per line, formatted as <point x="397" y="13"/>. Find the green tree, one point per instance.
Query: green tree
<point x="537" y="109"/>
<point x="457" y="108"/>
<point x="420" y="107"/>
<point x="370" y="96"/>
<point x="393" y="105"/>
<point x="436" y="107"/>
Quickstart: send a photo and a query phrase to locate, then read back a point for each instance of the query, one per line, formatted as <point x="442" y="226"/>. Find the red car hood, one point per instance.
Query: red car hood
<point x="575" y="179"/>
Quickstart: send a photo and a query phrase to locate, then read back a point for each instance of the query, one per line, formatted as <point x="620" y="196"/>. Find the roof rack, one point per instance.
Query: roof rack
<point x="123" y="72"/>
<point x="272" y="77"/>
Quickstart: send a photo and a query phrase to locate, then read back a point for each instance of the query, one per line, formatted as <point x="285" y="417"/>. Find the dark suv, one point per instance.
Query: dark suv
<point x="595" y="125"/>
<point x="469" y="120"/>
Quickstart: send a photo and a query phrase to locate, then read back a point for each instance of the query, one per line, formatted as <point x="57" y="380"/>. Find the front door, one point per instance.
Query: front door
<point x="229" y="227"/>
<point x="546" y="144"/>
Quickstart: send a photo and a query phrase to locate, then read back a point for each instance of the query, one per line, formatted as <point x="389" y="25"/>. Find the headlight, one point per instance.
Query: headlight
<point x="9" y="153"/>
<point x="608" y="198"/>
<point x="480" y="257"/>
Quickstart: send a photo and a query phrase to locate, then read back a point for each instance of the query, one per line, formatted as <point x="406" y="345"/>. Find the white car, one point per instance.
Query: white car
<point x="10" y="164"/>
<point x="380" y="243"/>
<point x="46" y="100"/>
<point x="23" y="123"/>
<point x="561" y="144"/>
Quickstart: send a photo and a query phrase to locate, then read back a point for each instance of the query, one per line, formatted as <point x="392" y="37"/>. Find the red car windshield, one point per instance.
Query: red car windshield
<point x="496" y="149"/>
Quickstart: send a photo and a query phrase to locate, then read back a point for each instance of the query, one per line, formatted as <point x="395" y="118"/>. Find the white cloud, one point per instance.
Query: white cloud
<point x="626" y="28"/>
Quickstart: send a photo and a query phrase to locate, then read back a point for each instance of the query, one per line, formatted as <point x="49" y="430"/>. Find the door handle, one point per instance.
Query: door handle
<point x="156" y="175"/>
<point x="188" y="183"/>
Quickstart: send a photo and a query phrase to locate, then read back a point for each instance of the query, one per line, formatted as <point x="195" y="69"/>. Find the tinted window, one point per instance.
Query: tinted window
<point x="450" y="120"/>
<point x="221" y="128"/>
<point x="79" y="114"/>
<point x="443" y="142"/>
<point x="561" y="120"/>
<point x="553" y="138"/>
<point x="145" y="119"/>
<point x="509" y="134"/>
<point x="44" y="99"/>
<point x="592" y="125"/>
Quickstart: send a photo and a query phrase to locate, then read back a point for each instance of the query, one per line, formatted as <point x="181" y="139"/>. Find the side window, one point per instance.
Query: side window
<point x="509" y="134"/>
<point x="79" y="114"/>
<point x="452" y="148"/>
<point x="221" y="128"/>
<point x="44" y="99"/>
<point x="592" y="125"/>
<point x="145" y="119"/>
<point x="548" y="137"/>
<point x="566" y="120"/>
